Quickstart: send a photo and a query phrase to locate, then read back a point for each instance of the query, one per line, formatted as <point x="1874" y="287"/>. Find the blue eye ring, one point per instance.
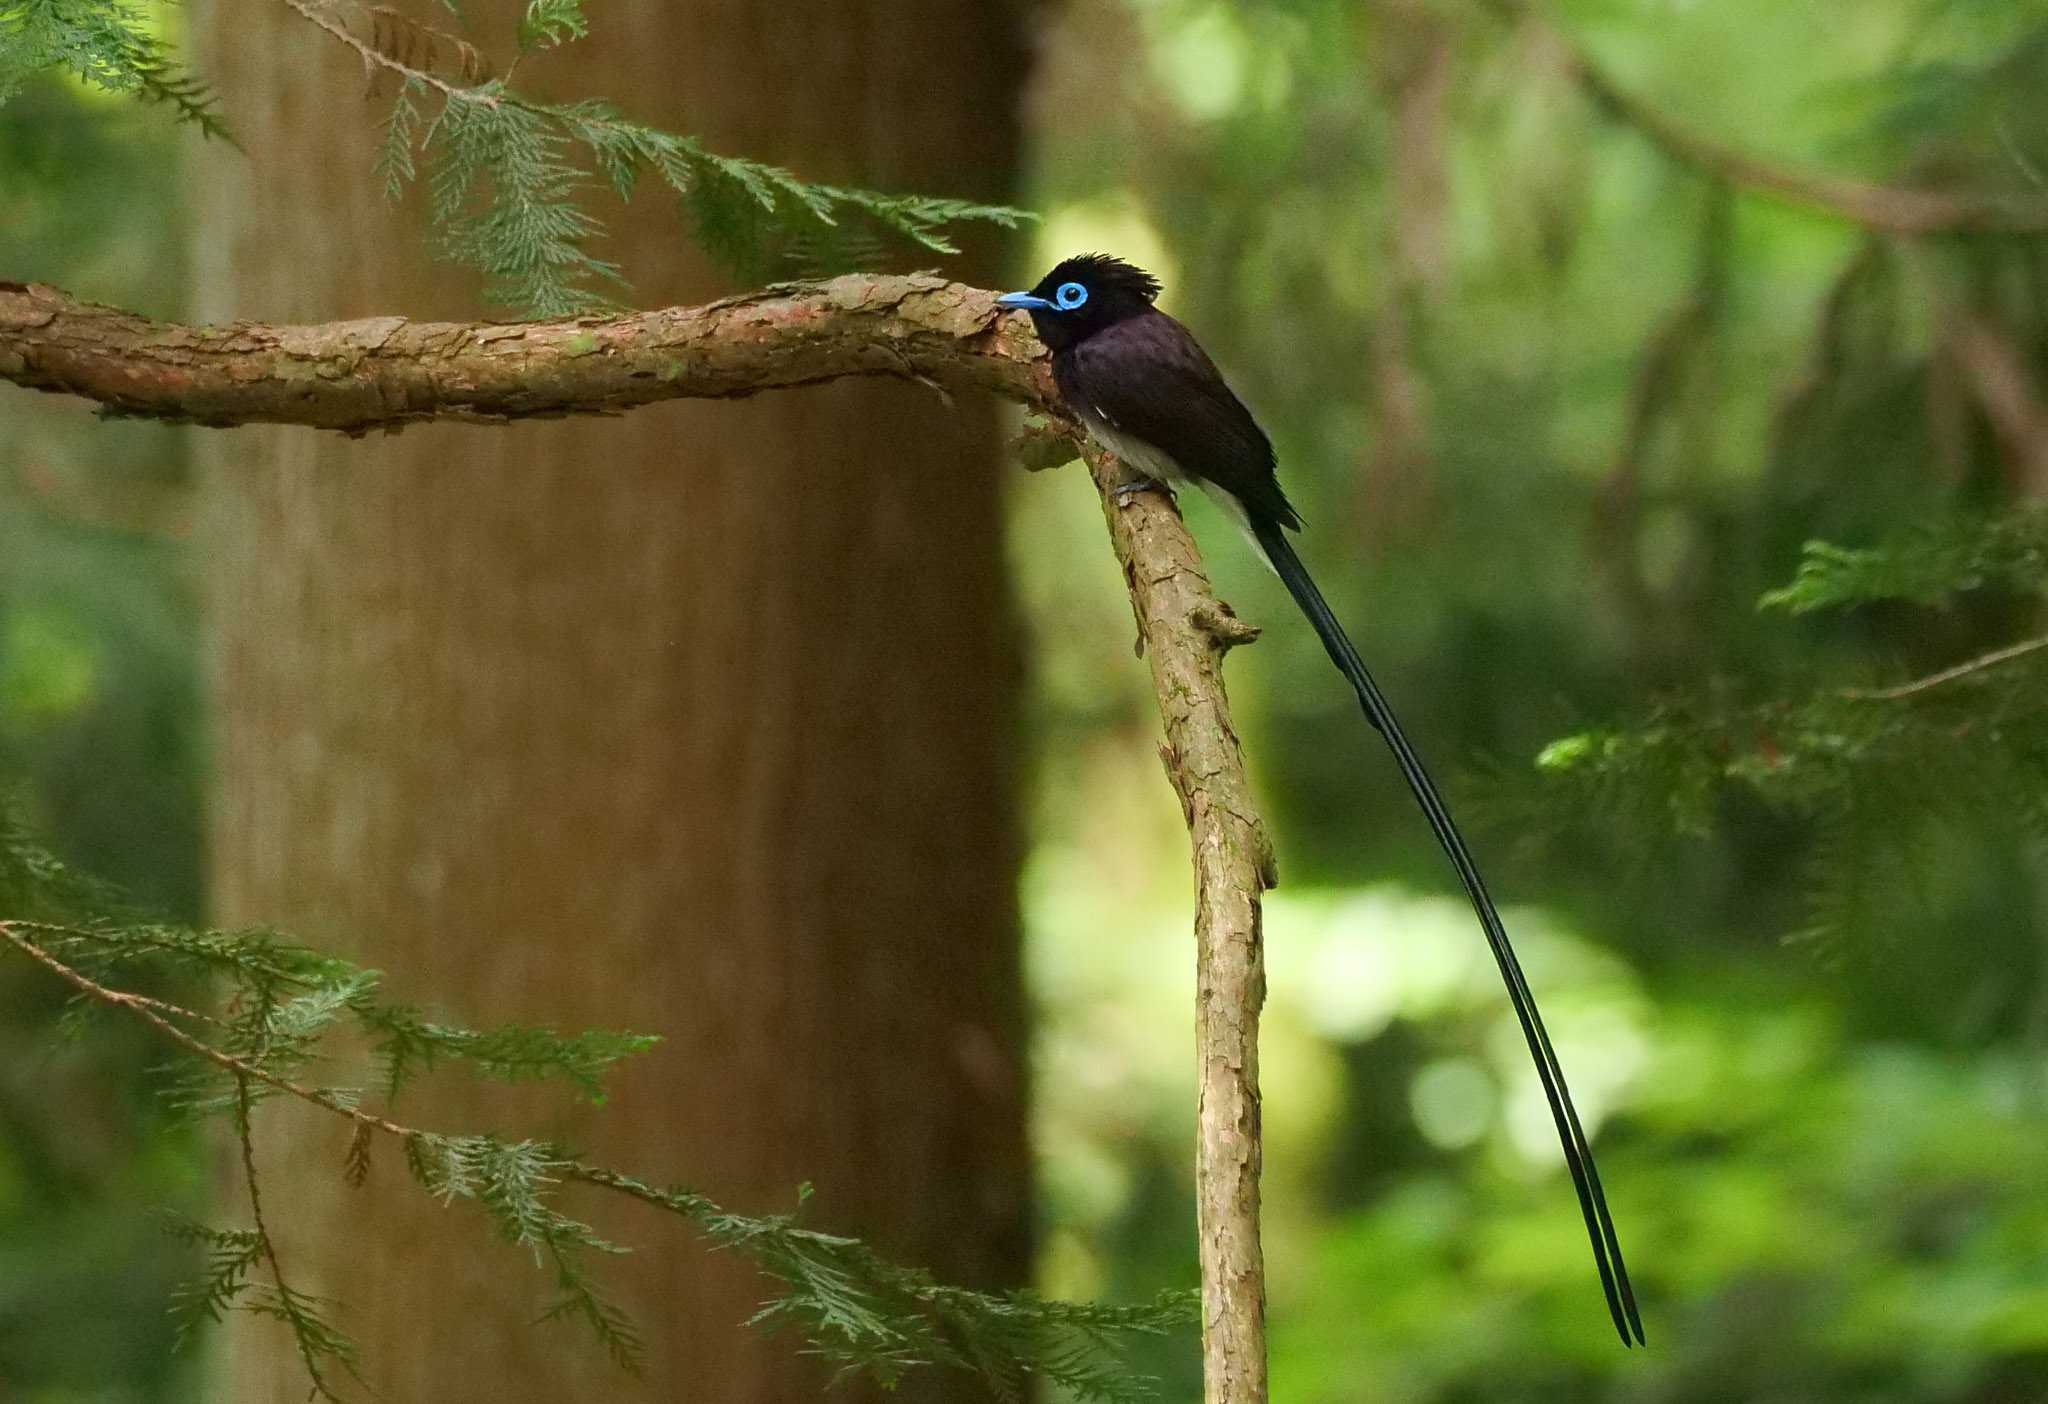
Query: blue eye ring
<point x="1069" y="296"/>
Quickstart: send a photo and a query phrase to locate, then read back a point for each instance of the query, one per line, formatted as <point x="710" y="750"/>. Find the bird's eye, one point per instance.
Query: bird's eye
<point x="1070" y="296"/>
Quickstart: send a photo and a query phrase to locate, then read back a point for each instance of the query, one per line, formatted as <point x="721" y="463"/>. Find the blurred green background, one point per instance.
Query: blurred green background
<point x="1558" y="404"/>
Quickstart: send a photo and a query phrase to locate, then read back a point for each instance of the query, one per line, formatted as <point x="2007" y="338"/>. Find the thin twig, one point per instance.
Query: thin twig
<point x="143" y="1008"/>
<point x="2019" y="158"/>
<point x="177" y="1009"/>
<point x="1886" y="208"/>
<point x="244" y="1106"/>
<point x="242" y="1070"/>
<point x="322" y="15"/>
<point x="1947" y="675"/>
<point x="2003" y="383"/>
<point x="931" y="1296"/>
<point x="245" y="1134"/>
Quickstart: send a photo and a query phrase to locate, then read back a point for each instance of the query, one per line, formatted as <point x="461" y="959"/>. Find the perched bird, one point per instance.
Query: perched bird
<point x="1149" y="394"/>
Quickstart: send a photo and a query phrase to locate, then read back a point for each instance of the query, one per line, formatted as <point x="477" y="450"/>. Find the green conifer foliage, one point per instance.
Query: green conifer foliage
<point x="256" y="1029"/>
<point x="512" y="180"/>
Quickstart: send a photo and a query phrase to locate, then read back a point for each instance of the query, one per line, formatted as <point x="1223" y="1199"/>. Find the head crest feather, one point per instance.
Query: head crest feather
<point x="1107" y="271"/>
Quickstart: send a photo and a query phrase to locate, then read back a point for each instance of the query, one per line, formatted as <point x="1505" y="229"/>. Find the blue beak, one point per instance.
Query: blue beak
<point x="1026" y="301"/>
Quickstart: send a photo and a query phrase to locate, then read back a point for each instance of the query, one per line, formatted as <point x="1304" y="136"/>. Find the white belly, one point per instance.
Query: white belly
<point x="1135" y="452"/>
<point x="1162" y="467"/>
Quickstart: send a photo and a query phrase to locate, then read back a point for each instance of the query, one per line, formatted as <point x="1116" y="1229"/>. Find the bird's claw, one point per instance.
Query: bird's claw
<point x="1124" y="491"/>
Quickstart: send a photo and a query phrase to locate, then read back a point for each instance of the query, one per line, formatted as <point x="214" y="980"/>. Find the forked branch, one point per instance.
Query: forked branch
<point x="385" y="373"/>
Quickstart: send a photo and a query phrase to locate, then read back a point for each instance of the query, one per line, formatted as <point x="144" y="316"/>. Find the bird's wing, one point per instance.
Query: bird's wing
<point x="1148" y="378"/>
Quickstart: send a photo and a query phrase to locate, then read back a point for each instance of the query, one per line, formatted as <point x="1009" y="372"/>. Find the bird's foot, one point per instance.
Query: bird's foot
<point x="1124" y="491"/>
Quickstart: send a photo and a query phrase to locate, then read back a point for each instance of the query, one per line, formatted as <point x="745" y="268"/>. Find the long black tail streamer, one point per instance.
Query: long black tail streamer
<point x="1578" y="1156"/>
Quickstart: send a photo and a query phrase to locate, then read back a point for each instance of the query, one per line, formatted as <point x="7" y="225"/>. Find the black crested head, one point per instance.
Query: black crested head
<point x="1105" y="273"/>
<point x="1082" y="295"/>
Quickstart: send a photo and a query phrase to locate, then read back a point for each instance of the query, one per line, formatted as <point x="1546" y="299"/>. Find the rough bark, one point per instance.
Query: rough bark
<point x="1185" y="631"/>
<point x="387" y="372"/>
<point x="799" y="337"/>
<point x="698" y="722"/>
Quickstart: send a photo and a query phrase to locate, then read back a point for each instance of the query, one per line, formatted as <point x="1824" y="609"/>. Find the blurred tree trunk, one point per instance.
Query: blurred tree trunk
<point x="698" y="722"/>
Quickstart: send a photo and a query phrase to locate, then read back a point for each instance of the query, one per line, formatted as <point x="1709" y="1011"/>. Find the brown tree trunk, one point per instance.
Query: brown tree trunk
<point x="698" y="722"/>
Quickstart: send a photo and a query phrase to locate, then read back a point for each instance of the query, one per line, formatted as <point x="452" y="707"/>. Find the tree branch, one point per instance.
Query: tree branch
<point x="1889" y="209"/>
<point x="384" y="373"/>
<point x="1185" y="631"/>
<point x="376" y="53"/>
<point x="1947" y="675"/>
<point x="879" y="1317"/>
<point x="2004" y="385"/>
